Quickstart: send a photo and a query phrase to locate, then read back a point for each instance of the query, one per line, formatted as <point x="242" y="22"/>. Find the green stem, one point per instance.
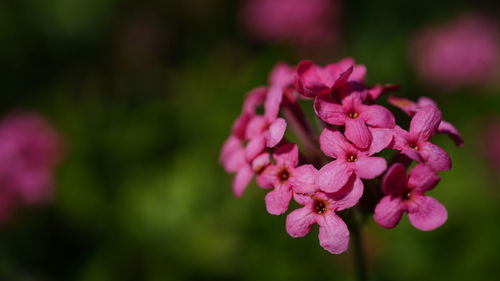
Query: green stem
<point x="357" y="245"/>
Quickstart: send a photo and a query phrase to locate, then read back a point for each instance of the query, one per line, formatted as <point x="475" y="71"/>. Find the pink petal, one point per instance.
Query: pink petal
<point x="381" y="138"/>
<point x="435" y="157"/>
<point x="341" y="81"/>
<point x="425" y="122"/>
<point x="412" y="154"/>
<point x="309" y="80"/>
<point x="276" y="132"/>
<point x="424" y="101"/>
<point x="287" y="155"/>
<point x="256" y="126"/>
<point x="273" y="102"/>
<point x="395" y="181"/>
<point x="255" y="147"/>
<point x="358" y="73"/>
<point x="400" y="138"/>
<point x="426" y="213"/>
<point x="278" y="199"/>
<point x="334" y="144"/>
<point x="253" y="99"/>
<point x="378" y="90"/>
<point x="232" y="156"/>
<point x="423" y="178"/>
<point x="388" y="212"/>
<point x="303" y="179"/>
<point x="259" y="165"/>
<point x="357" y="132"/>
<point x="261" y="162"/>
<point x="270" y="175"/>
<point x="333" y="233"/>
<point x="240" y="125"/>
<point x="303" y="199"/>
<point x="282" y="74"/>
<point x="370" y="167"/>
<point x="348" y="195"/>
<point x="329" y="112"/>
<point x="452" y="132"/>
<point x="264" y="181"/>
<point x="378" y="116"/>
<point x="333" y="176"/>
<point x="408" y="106"/>
<point x="242" y="179"/>
<point x="299" y="222"/>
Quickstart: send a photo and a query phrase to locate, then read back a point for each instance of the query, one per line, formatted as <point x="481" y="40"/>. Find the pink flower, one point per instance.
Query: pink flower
<point x="232" y="156"/>
<point x="313" y="80"/>
<point x="411" y="107"/>
<point x="463" y="52"/>
<point x="286" y="159"/>
<point x="30" y="149"/>
<point x="306" y="23"/>
<point x="355" y="116"/>
<point x="349" y="159"/>
<point x="407" y="195"/>
<point x="237" y="156"/>
<point x="320" y="208"/>
<point x="415" y="143"/>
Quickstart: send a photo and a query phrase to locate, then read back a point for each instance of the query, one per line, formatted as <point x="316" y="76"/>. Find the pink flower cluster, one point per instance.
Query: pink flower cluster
<point x="461" y="53"/>
<point x="29" y="151"/>
<point x="329" y="173"/>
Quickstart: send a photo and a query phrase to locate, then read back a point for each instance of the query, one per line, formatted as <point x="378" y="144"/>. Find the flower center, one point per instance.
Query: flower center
<point x="351" y="158"/>
<point x="407" y="195"/>
<point x="320" y="207"/>
<point x="352" y="115"/>
<point x="414" y="146"/>
<point x="283" y="175"/>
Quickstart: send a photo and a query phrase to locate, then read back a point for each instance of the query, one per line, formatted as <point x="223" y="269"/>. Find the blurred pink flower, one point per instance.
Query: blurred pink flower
<point x="29" y="151"/>
<point x="461" y="53"/>
<point x="293" y="21"/>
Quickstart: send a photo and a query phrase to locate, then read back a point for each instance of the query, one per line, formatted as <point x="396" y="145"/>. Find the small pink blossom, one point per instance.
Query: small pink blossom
<point x="313" y="80"/>
<point x="286" y="159"/>
<point x="350" y="160"/>
<point x="30" y="149"/>
<point x="356" y="117"/>
<point x="415" y="143"/>
<point x="464" y="52"/>
<point x="320" y="208"/>
<point x="237" y="156"/>
<point x="410" y="108"/>
<point x="407" y="195"/>
<point x="304" y="23"/>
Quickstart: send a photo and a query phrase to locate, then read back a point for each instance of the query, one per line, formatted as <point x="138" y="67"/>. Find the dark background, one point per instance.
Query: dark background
<point x="145" y="93"/>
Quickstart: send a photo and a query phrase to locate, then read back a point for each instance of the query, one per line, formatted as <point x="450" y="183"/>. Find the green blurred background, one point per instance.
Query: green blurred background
<point x="145" y="93"/>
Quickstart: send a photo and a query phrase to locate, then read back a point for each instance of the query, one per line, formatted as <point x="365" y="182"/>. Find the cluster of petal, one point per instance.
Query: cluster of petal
<point x="321" y="208"/>
<point x="30" y="149"/>
<point x="300" y="22"/>
<point x="415" y="143"/>
<point x="244" y="152"/>
<point x="461" y="53"/>
<point x="410" y="108"/>
<point x="406" y="194"/>
<point x="355" y="130"/>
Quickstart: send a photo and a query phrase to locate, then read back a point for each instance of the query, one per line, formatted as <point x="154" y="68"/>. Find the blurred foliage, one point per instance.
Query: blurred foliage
<point x="145" y="93"/>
